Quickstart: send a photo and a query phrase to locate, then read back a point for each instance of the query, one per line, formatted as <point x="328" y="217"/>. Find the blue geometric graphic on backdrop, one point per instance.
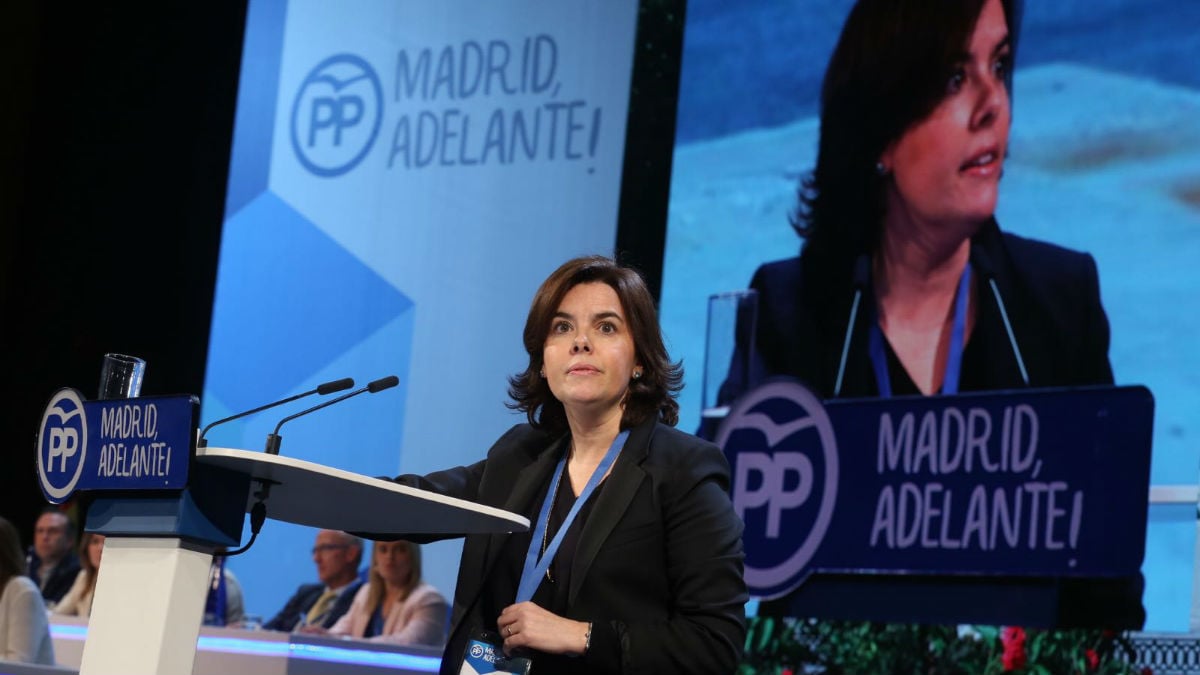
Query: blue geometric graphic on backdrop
<point x="287" y="296"/>
<point x="258" y="84"/>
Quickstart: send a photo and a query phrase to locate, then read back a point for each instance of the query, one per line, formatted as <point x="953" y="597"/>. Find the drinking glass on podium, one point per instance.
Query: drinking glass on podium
<point x="730" y="367"/>
<point x="121" y="376"/>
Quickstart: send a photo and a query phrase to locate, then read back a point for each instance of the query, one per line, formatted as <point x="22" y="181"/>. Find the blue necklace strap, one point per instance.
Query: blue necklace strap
<point x="535" y="568"/>
<point x="879" y="359"/>
<point x="957" y="334"/>
<point x="958" y="331"/>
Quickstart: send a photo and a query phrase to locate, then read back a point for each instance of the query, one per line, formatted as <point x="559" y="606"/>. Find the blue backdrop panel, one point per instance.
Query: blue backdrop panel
<point x="404" y="175"/>
<point x="267" y="332"/>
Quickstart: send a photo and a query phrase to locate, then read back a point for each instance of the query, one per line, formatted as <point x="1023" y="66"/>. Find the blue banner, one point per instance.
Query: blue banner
<point x="1049" y="483"/>
<point x="117" y="444"/>
<point x="397" y="167"/>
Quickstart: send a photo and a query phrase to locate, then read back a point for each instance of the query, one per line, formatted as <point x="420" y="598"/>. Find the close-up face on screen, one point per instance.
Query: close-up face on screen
<point x="1102" y="157"/>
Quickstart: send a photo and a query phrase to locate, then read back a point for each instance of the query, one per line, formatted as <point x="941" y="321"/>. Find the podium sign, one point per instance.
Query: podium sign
<point x="115" y="444"/>
<point x="1035" y="484"/>
<point x="165" y="509"/>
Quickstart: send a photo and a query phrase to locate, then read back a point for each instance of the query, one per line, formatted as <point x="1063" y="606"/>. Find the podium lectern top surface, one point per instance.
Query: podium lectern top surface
<point x="311" y="494"/>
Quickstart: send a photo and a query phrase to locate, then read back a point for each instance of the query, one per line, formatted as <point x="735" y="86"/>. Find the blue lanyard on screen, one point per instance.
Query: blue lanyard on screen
<point x="953" y="360"/>
<point x="535" y="569"/>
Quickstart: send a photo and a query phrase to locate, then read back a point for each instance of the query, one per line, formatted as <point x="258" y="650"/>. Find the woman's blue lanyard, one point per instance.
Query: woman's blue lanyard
<point x="954" y="359"/>
<point x="535" y="569"/>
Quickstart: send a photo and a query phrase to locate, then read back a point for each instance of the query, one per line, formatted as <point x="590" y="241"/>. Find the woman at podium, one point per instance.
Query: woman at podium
<point x="634" y="559"/>
<point x="905" y="284"/>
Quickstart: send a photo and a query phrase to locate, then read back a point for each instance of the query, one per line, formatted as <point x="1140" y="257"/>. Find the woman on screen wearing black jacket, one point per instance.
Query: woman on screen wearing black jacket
<point x="906" y="284"/>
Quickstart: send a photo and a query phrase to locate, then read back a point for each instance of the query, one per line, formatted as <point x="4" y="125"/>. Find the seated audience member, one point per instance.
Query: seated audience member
<point x="78" y="600"/>
<point x="52" y="563"/>
<point x="337" y="556"/>
<point x="224" y="605"/>
<point x="395" y="606"/>
<point x="24" y="631"/>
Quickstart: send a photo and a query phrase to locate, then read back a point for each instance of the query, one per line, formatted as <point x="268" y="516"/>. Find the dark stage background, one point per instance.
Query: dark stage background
<point x="117" y="125"/>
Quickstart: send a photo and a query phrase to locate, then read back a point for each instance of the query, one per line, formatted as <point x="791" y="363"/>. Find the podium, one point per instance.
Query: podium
<point x="1014" y="508"/>
<point x="165" y="515"/>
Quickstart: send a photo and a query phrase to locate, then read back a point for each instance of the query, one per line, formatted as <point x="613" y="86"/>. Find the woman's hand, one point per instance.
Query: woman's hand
<point x="312" y="630"/>
<point x="525" y="625"/>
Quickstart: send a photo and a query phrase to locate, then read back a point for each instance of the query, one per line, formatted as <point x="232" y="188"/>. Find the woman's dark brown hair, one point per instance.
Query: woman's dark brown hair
<point x="12" y="562"/>
<point x="650" y="396"/>
<point x="890" y="69"/>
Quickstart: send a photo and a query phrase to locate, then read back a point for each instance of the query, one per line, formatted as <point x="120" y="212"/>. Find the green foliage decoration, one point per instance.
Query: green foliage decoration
<point x="776" y="646"/>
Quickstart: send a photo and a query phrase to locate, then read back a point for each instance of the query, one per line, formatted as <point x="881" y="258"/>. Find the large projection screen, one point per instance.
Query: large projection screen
<point x="1105" y="158"/>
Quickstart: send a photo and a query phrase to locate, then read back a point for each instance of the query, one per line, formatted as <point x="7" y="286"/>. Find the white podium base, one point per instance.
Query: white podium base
<point x="148" y="607"/>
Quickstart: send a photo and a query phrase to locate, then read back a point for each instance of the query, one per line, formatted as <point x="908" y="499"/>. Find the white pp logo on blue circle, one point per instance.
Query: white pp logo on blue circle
<point x="783" y="453"/>
<point x="336" y="115"/>
<point x="62" y="445"/>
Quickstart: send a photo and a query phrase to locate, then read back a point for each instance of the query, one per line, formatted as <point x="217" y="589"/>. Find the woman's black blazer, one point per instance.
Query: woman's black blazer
<point x="658" y="567"/>
<point x="1051" y="296"/>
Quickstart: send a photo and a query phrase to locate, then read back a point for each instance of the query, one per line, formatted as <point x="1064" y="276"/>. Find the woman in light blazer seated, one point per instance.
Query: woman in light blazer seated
<point x="78" y="600"/>
<point x="395" y="605"/>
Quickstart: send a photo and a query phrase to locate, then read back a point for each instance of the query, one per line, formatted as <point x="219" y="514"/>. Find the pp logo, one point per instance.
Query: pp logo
<point x="781" y="447"/>
<point x="336" y="115"/>
<point x="476" y="650"/>
<point x="62" y="444"/>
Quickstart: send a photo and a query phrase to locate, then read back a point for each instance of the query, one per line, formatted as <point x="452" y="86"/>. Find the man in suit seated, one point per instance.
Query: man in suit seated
<point x="337" y="556"/>
<point x="51" y="560"/>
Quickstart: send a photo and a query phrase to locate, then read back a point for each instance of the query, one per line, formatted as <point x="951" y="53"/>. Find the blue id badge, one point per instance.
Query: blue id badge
<point x="485" y="654"/>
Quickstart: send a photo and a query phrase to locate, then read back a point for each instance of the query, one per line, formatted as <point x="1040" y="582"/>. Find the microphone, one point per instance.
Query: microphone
<point x="274" y="439"/>
<point x="322" y="389"/>
<point x="983" y="266"/>
<point x="862" y="268"/>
